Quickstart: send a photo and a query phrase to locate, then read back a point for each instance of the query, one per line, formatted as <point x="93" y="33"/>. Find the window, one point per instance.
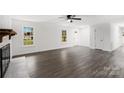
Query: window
<point x="64" y="36"/>
<point x="28" y="36"/>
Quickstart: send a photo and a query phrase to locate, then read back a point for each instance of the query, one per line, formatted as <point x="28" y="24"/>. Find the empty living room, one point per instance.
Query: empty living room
<point x="62" y="46"/>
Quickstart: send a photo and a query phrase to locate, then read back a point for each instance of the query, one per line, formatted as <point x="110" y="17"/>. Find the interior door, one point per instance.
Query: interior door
<point x="121" y="35"/>
<point x="76" y="37"/>
<point x="98" y="39"/>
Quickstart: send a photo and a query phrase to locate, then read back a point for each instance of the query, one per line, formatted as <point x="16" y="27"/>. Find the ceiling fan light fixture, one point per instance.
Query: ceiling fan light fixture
<point x="70" y="20"/>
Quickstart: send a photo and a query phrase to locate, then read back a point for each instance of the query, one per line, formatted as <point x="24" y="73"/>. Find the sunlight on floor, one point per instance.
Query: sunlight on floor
<point x="19" y="70"/>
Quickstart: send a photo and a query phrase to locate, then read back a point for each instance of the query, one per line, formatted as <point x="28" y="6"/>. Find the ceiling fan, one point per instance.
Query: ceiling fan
<point x="70" y="18"/>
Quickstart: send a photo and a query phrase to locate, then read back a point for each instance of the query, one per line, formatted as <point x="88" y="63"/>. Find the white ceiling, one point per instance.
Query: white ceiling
<point x="86" y="19"/>
<point x="36" y="18"/>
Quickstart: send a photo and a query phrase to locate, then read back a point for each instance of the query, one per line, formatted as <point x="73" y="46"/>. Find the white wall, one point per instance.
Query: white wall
<point x="112" y="38"/>
<point x="5" y="22"/>
<point x="47" y="37"/>
<point x="84" y="36"/>
<point x="121" y="32"/>
<point x="105" y="34"/>
<point x="116" y="35"/>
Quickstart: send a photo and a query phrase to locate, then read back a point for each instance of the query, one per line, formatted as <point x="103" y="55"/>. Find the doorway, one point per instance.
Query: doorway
<point x="121" y="35"/>
<point x="76" y="37"/>
<point x="98" y="39"/>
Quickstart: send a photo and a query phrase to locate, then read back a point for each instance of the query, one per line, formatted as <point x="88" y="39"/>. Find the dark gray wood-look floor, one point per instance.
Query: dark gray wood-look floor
<point x="75" y="62"/>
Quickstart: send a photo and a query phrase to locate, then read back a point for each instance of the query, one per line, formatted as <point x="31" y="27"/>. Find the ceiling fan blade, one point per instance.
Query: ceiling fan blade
<point x="76" y="18"/>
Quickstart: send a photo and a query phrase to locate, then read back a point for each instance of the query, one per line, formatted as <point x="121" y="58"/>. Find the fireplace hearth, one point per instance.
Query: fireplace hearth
<point x="4" y="59"/>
